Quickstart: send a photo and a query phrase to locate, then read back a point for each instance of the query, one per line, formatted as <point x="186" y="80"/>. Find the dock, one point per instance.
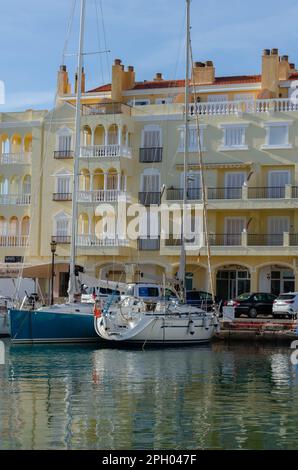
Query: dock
<point x="258" y="330"/>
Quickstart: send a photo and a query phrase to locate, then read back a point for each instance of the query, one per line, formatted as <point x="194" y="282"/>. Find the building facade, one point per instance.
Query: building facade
<point x="132" y="152"/>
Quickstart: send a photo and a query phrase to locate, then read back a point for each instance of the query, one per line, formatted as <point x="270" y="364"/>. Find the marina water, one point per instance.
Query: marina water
<point x="90" y="397"/>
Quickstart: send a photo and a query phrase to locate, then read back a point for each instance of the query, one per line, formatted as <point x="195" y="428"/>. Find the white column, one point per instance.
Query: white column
<point x="105" y="181"/>
<point x="92" y="136"/>
<point x="106" y="136"/>
<point x="91" y="182"/>
<point x="119" y="135"/>
<point x="126" y="138"/>
<point x="124" y="184"/>
<point x="119" y="182"/>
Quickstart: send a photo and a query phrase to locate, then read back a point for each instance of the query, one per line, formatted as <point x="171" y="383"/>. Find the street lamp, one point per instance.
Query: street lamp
<point x="53" y="250"/>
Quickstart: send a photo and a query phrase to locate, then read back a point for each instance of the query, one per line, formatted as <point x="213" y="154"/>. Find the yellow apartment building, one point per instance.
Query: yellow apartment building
<point x="131" y="147"/>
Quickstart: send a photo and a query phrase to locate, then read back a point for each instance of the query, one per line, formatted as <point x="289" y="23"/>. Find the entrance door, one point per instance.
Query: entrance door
<point x="233" y="185"/>
<point x="231" y="283"/>
<point x="276" y="228"/>
<point x="282" y="281"/>
<point x="234" y="226"/>
<point x="276" y="183"/>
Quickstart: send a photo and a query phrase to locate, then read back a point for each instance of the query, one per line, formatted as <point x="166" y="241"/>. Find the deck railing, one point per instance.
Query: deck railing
<point x="15" y="199"/>
<point x="105" y="151"/>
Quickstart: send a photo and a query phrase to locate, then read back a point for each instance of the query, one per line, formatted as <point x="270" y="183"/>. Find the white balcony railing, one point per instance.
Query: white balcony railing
<point x="15" y="199"/>
<point x="14" y="240"/>
<point x="92" y="240"/>
<point x="22" y="158"/>
<point x="105" y="151"/>
<point x="223" y="108"/>
<point x="100" y="195"/>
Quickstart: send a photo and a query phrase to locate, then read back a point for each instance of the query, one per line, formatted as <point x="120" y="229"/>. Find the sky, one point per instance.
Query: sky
<point x="148" y="34"/>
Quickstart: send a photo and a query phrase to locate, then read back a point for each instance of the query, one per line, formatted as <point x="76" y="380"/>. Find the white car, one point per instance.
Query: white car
<point x="286" y="305"/>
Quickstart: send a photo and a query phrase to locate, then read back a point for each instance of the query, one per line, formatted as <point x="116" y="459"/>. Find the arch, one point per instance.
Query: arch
<point x="87" y="136"/>
<point x="113" y="134"/>
<point x="28" y="143"/>
<point x="5" y="144"/>
<point x="25" y="226"/>
<point x="13" y="226"/>
<point x="99" y="135"/>
<point x="27" y="184"/>
<point x="232" y="280"/>
<point x="16" y="143"/>
<point x="3" y="226"/>
<point x="84" y="180"/>
<point x="112" y="178"/>
<point x="14" y="184"/>
<point x="61" y="222"/>
<point x="83" y="224"/>
<point x="276" y="277"/>
<point x="98" y="179"/>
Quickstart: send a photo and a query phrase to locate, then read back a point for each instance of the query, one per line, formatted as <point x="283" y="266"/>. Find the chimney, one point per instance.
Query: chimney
<point x="270" y="72"/>
<point x="158" y="77"/>
<point x="203" y="73"/>
<point x="128" y="78"/>
<point x="117" y="70"/>
<point x="63" y="85"/>
<point x="83" y="87"/>
<point x="284" y="67"/>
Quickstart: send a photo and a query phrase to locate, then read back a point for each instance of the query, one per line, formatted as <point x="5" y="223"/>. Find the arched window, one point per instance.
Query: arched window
<point x="27" y="184"/>
<point x="63" y="182"/>
<point x="62" y="224"/>
<point x="64" y="140"/>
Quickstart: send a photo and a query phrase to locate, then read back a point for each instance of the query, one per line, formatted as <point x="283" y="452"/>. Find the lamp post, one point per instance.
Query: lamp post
<point x="53" y="250"/>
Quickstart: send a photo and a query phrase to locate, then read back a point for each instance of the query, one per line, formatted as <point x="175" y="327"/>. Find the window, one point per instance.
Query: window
<point x="63" y="182"/>
<point x="233" y="184"/>
<point x="277" y="135"/>
<point x="151" y="137"/>
<point x="193" y="144"/>
<point x="27" y="185"/>
<point x="234" y="137"/>
<point x="167" y="100"/>
<point x="139" y="102"/>
<point x="217" y="98"/>
<point x="64" y="140"/>
<point x="193" y="184"/>
<point x="62" y="225"/>
<point x="150" y="181"/>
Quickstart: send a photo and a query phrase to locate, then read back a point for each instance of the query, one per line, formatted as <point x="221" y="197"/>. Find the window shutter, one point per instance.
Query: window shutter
<point x="278" y="135"/>
<point x="151" y="138"/>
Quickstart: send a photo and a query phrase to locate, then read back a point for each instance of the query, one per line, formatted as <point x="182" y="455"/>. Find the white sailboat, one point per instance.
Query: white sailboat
<point x="170" y="322"/>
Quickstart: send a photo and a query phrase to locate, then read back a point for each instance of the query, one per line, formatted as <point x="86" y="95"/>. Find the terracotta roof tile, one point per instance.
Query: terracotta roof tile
<point x="180" y="83"/>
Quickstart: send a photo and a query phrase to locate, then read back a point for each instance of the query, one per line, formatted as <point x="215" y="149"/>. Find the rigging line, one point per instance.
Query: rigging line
<point x="69" y="28"/>
<point x="204" y="195"/>
<point x="33" y="206"/>
<point x="99" y="41"/>
<point x="105" y="40"/>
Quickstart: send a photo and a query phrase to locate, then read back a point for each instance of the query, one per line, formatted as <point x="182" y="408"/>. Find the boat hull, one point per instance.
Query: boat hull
<point x="154" y="329"/>
<point x="52" y="327"/>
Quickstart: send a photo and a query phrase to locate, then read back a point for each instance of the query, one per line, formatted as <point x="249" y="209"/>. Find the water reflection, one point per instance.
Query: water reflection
<point x="70" y="397"/>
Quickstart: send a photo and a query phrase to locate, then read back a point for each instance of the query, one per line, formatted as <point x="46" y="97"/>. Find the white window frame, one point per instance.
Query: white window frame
<point x="61" y="216"/>
<point x="139" y="102"/>
<point x="234" y="125"/>
<point x="166" y="100"/>
<point x="64" y="132"/>
<point x="150" y="172"/>
<point x="62" y="174"/>
<point x="268" y="126"/>
<point x="191" y="149"/>
<point x="154" y="128"/>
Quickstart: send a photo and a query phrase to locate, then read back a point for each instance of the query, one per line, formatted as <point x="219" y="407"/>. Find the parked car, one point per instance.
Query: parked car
<point x="201" y="299"/>
<point x="286" y="305"/>
<point x="253" y="304"/>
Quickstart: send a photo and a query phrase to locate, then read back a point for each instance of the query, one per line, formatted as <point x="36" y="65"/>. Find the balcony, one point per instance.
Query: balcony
<point x="224" y="193"/>
<point x="15" y="199"/>
<point x="105" y="151"/>
<point x="100" y="195"/>
<point x="149" y="244"/>
<point x="236" y="108"/>
<point x="62" y="239"/>
<point x="176" y="194"/>
<point x="150" y="155"/>
<point x="62" y="197"/>
<point x="63" y="154"/>
<point x="92" y="240"/>
<point x="21" y="158"/>
<point x="14" y="240"/>
<point x="105" y="108"/>
<point x="148" y="198"/>
<point x="245" y="239"/>
<point x="267" y="193"/>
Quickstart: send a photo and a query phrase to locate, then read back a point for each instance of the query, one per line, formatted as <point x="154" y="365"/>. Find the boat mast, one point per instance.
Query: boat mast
<point x="72" y="287"/>
<point x="185" y="159"/>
